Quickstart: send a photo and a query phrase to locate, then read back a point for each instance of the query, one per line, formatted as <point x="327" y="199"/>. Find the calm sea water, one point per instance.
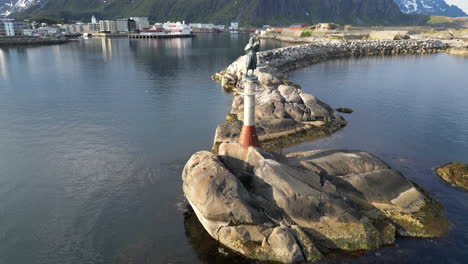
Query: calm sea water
<point x="94" y="135"/>
<point x="412" y="112"/>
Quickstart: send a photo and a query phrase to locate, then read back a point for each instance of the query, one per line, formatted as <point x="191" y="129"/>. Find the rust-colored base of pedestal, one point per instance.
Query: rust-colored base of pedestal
<point x="249" y="137"/>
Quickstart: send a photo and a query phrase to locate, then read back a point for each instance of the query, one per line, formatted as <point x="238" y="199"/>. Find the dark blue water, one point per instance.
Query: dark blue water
<point x="94" y="135"/>
<point x="412" y="112"/>
<point x="93" y="138"/>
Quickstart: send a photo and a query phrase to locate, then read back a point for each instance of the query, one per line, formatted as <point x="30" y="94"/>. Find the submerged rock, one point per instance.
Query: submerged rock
<point x="290" y="208"/>
<point x="345" y="110"/>
<point x="455" y="173"/>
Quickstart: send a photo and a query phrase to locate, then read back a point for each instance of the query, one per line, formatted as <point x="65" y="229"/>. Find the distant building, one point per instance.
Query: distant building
<point x="141" y="22"/>
<point x="75" y="28"/>
<point x="107" y="26"/>
<point x="234" y="26"/>
<point x="122" y="25"/>
<point x="200" y="27"/>
<point x="132" y="25"/>
<point x="93" y="20"/>
<point x="297" y="26"/>
<point x="125" y="25"/>
<point x="94" y="27"/>
<point x="48" y="31"/>
<point x="10" y="27"/>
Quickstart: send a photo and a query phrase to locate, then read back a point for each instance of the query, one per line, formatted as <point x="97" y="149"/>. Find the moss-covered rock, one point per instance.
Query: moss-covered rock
<point x="272" y="207"/>
<point x="455" y="173"/>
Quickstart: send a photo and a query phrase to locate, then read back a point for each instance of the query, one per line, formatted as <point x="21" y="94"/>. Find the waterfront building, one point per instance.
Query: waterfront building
<point x="234" y="28"/>
<point x="10" y="27"/>
<point x="75" y="28"/>
<point x="122" y="25"/>
<point x="125" y="25"/>
<point x="200" y="27"/>
<point x="49" y="31"/>
<point x="93" y="20"/>
<point x="107" y="26"/>
<point x="141" y="22"/>
<point x="94" y="27"/>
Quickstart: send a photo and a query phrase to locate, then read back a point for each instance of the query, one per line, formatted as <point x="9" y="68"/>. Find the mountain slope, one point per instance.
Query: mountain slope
<point x="248" y="12"/>
<point x="430" y="7"/>
<point x="8" y="7"/>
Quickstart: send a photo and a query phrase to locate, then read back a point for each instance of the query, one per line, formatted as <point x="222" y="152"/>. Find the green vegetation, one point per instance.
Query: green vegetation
<point x="307" y="33"/>
<point x="248" y="12"/>
<point x="448" y="22"/>
<point x="48" y="20"/>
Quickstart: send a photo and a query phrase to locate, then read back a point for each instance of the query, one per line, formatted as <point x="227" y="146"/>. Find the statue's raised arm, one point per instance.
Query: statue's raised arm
<point x="251" y="56"/>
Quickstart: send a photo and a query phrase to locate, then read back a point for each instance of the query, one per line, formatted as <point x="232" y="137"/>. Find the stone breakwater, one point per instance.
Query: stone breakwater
<point x="17" y="41"/>
<point x="285" y="115"/>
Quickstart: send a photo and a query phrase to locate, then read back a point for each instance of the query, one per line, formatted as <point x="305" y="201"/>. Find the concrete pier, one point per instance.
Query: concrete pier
<point x="139" y="36"/>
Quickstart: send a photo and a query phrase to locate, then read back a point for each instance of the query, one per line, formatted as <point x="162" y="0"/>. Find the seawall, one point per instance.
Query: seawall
<point x="17" y="41"/>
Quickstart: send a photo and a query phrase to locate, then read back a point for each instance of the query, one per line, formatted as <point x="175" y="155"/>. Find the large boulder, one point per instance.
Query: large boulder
<point x="268" y="206"/>
<point x="231" y="215"/>
<point x="455" y="173"/>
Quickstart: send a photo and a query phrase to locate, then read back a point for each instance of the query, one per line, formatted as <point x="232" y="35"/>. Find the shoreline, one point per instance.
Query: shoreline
<point x="318" y="118"/>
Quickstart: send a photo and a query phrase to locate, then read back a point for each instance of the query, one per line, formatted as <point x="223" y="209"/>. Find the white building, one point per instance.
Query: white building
<point x="107" y="26"/>
<point x="93" y="20"/>
<point x="10" y="27"/>
<point x="234" y="26"/>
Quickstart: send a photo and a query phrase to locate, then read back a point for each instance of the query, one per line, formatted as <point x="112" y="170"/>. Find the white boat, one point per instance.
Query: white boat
<point x="177" y="28"/>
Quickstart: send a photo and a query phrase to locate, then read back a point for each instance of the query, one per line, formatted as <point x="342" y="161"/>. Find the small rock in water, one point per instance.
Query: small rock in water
<point x="345" y="110"/>
<point x="455" y="173"/>
<point x="222" y="251"/>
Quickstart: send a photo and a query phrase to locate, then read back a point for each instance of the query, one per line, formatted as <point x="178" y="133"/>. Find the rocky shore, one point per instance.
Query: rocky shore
<point x="17" y="41"/>
<point x="296" y="208"/>
<point x="300" y="207"/>
<point x="285" y="115"/>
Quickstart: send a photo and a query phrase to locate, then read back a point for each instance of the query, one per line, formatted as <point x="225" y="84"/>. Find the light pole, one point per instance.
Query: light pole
<point x="248" y="135"/>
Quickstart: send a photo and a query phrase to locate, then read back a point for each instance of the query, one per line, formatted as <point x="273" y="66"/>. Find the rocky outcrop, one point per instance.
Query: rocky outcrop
<point x="455" y="173"/>
<point x="284" y="114"/>
<point x="291" y="208"/>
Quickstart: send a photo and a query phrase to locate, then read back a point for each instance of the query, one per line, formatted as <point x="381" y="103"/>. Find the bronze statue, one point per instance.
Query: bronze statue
<point x="251" y="56"/>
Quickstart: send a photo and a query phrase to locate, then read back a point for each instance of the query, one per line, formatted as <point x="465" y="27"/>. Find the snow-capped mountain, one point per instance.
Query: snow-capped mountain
<point x="10" y="6"/>
<point x="430" y="7"/>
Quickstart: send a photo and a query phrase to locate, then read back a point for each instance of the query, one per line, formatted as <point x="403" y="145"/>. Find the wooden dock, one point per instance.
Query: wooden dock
<point x="140" y="36"/>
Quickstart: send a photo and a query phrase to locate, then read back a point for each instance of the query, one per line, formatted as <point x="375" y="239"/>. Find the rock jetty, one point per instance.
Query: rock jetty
<point x="296" y="208"/>
<point x="17" y="41"/>
<point x="455" y="173"/>
<point x="284" y="114"/>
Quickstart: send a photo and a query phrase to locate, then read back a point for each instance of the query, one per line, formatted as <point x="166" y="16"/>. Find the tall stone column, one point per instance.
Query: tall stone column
<point x="248" y="135"/>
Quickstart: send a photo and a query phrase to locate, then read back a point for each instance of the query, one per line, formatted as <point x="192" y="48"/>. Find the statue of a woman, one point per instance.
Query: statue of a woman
<point x="251" y="54"/>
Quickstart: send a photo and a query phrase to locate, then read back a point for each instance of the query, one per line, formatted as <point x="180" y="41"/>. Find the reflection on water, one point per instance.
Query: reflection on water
<point x="106" y="44"/>
<point x="93" y="138"/>
<point x="94" y="135"/>
<point x="3" y="66"/>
